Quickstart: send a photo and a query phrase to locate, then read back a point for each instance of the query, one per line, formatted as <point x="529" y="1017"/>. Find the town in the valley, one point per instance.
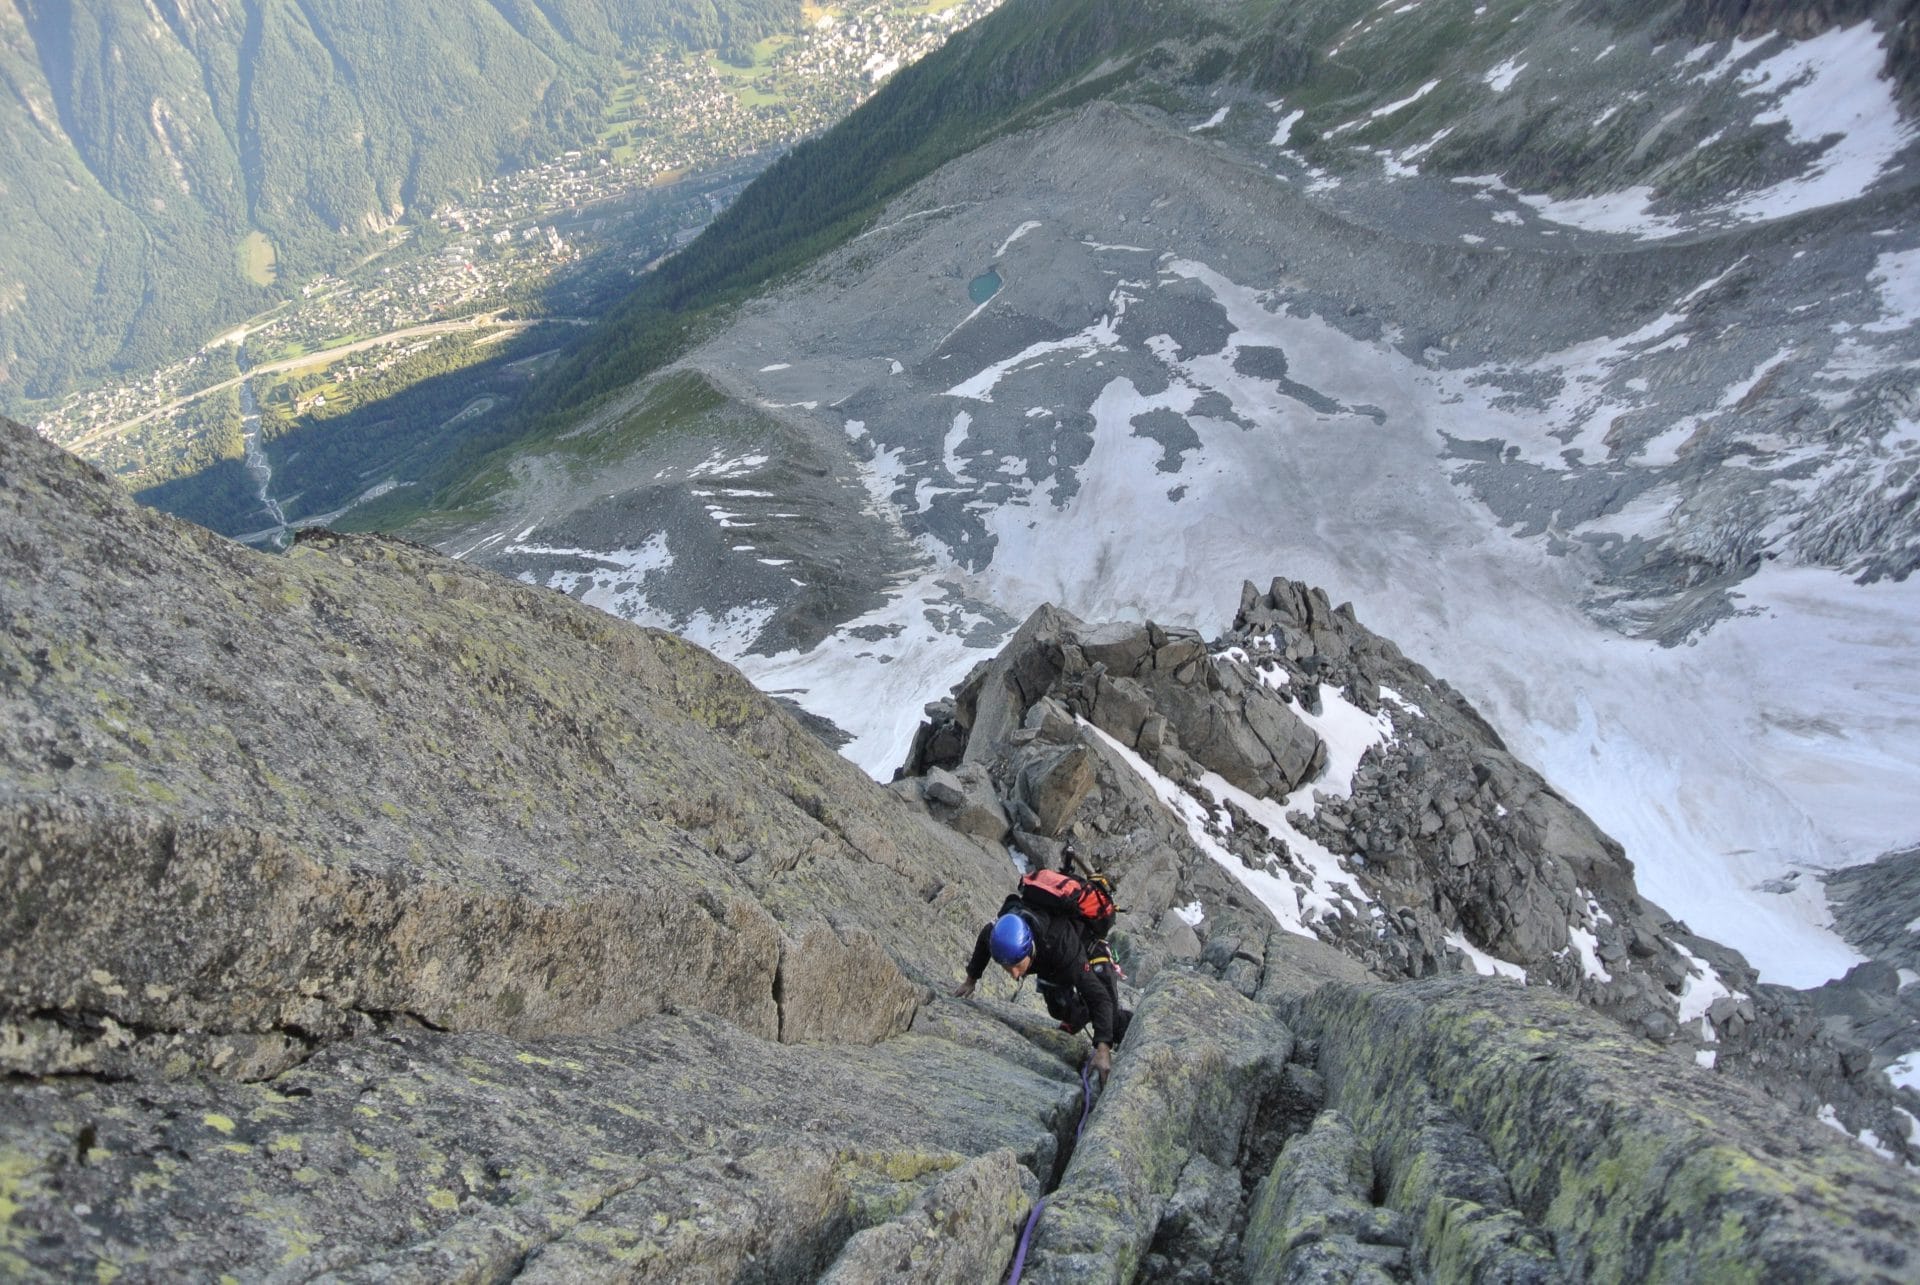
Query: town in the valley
<point x="683" y="136"/>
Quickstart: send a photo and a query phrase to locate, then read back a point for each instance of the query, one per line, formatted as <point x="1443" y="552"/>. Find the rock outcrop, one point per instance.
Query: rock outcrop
<point x="376" y="918"/>
<point x="1301" y="765"/>
<point x="1524" y="1139"/>
<point x="372" y="914"/>
<point x="254" y="804"/>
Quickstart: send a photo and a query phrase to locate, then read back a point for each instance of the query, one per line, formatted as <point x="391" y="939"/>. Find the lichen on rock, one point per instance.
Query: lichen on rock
<point x="374" y="917"/>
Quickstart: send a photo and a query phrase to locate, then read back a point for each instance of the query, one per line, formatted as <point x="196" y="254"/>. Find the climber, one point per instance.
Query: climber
<point x="1074" y="975"/>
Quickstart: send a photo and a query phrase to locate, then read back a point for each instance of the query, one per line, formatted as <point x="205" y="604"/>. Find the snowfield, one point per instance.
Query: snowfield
<point x="1781" y="741"/>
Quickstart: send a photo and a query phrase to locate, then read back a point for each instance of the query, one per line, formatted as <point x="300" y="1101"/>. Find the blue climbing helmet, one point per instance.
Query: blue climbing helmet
<point x="1012" y="940"/>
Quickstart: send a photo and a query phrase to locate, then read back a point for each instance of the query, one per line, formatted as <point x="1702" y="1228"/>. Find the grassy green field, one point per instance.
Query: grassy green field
<point x="258" y="260"/>
<point x="746" y="83"/>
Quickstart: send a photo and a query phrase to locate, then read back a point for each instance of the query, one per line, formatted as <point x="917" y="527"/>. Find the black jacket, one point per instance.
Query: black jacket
<point x="1059" y="958"/>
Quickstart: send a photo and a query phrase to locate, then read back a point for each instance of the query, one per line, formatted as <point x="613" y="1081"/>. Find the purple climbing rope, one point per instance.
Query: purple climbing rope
<point x="1033" y="1219"/>
<point x="1026" y="1237"/>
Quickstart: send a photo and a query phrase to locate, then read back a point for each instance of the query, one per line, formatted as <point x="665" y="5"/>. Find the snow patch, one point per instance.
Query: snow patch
<point x="1406" y="102"/>
<point x="1017" y="233"/>
<point x="1697" y="993"/>
<point x="1393" y="697"/>
<point x="1483" y="963"/>
<point x="1904" y="1073"/>
<point x="1501" y="78"/>
<point x="1897" y="277"/>
<point x="1211" y="122"/>
<point x="1589" y="947"/>
<point x="1324" y="889"/>
<point x="1349" y="732"/>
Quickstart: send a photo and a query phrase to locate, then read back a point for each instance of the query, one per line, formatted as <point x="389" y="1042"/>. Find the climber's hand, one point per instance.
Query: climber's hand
<point x="964" y="989"/>
<point x="1103" y="1061"/>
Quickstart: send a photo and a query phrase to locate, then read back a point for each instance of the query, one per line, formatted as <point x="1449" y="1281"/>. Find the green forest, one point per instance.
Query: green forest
<point x="151" y="150"/>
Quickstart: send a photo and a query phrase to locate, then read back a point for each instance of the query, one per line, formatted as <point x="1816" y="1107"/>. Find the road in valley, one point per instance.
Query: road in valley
<point x="467" y="324"/>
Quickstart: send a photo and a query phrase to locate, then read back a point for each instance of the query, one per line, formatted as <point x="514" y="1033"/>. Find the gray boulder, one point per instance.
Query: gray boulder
<point x="1053" y="785"/>
<point x="962" y="1229"/>
<point x="1193" y="1072"/>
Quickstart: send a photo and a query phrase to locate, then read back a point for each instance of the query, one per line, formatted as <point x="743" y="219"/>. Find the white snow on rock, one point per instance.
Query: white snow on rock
<point x="731" y="632"/>
<point x="1897" y="277"/>
<point x="1697" y="993"/>
<point x="1825" y="97"/>
<point x="1393" y="697"/>
<point x="1325" y="888"/>
<point x="1627" y="213"/>
<point x="719" y="464"/>
<point x="1406" y="102"/>
<point x="1211" y="122"/>
<point x="874" y="690"/>
<point x="651" y="556"/>
<point x="1871" y="1141"/>
<point x="778" y="365"/>
<point x="1017" y="233"/>
<point x="1588" y="945"/>
<point x="1103" y="333"/>
<point x="950" y="448"/>
<point x="1483" y="963"/>
<point x="1866" y="1137"/>
<point x="1349" y="732"/>
<point x="1284" y="129"/>
<point x="1832" y="94"/>
<point x="1401" y="164"/>
<point x="1905" y="1073"/>
<point x="1191" y="915"/>
<point x="1501" y="78"/>
<point x="619" y="589"/>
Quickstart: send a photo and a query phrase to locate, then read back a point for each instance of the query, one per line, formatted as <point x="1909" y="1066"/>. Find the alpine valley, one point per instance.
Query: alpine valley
<point x="1425" y="494"/>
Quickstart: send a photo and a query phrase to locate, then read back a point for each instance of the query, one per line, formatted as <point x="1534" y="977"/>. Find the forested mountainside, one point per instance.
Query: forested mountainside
<point x="148" y="149"/>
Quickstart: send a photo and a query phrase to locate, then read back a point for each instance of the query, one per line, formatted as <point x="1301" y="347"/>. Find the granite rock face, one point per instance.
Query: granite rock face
<point x="375" y="918"/>
<point x="1630" y="1166"/>
<point x="1433" y="851"/>
<point x="1201" y="1065"/>
<point x="680" y="1148"/>
<point x="252" y="804"/>
<point x="374" y="914"/>
<point x="963" y="1229"/>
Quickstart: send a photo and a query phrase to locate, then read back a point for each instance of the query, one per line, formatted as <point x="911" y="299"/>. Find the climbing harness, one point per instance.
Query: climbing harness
<point x="1033" y="1219"/>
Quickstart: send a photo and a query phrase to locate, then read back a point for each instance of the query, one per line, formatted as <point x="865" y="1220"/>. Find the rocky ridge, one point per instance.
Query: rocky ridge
<point x="378" y="918"/>
<point x="1151" y="750"/>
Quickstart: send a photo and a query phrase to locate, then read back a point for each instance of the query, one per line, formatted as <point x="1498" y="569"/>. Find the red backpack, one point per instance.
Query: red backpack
<point x="1056" y="892"/>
